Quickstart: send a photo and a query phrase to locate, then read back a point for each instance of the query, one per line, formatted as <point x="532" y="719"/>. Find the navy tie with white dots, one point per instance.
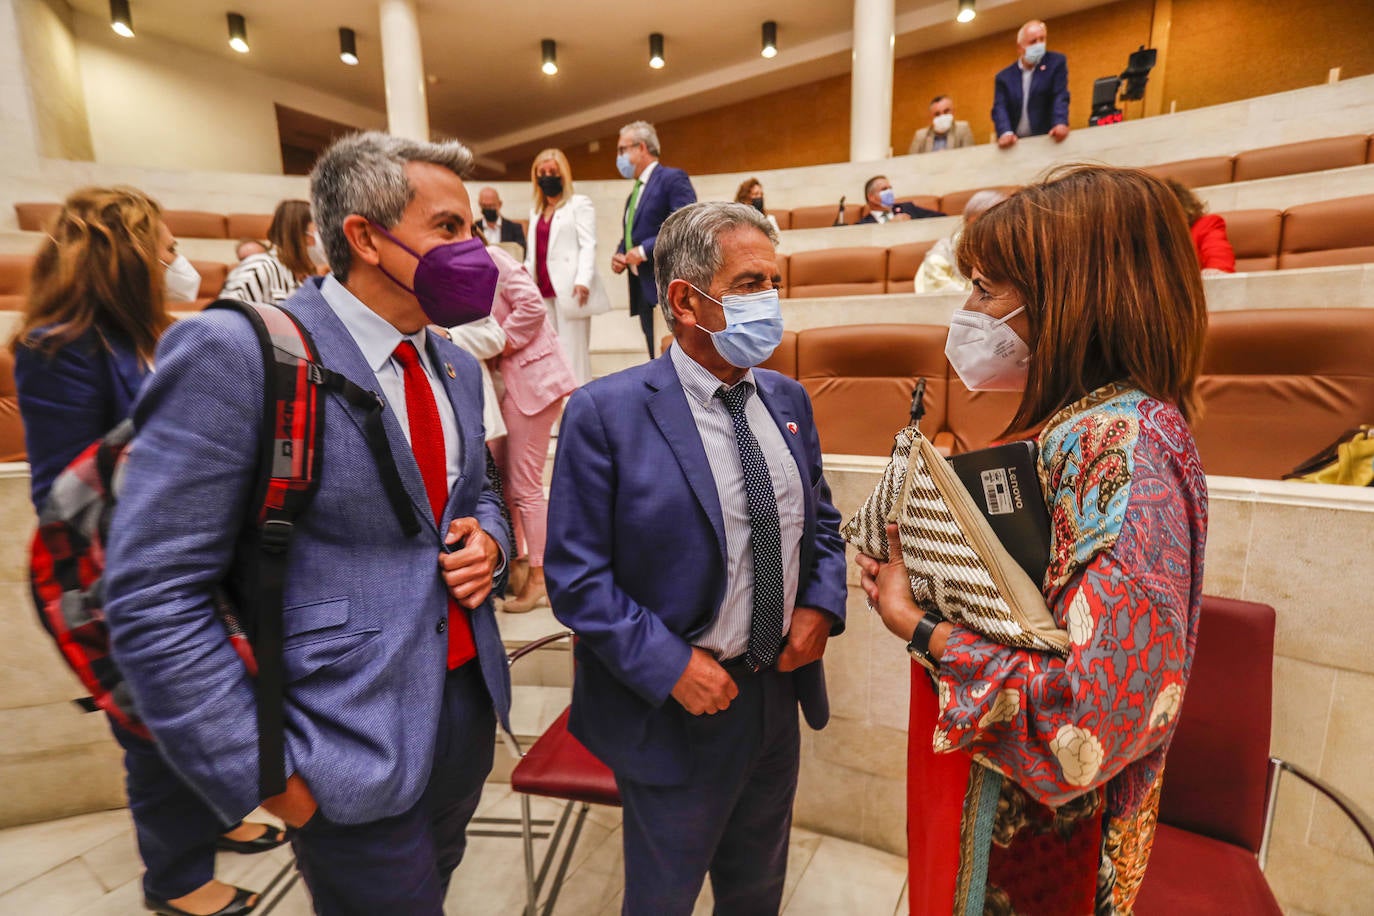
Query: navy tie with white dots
<point x="765" y="540"/>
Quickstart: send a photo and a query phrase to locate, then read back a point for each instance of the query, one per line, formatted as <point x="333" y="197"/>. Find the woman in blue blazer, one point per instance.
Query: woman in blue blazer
<point x="96" y="307"/>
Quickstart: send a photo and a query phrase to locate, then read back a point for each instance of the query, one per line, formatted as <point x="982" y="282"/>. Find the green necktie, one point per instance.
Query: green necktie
<point x="630" y="215"/>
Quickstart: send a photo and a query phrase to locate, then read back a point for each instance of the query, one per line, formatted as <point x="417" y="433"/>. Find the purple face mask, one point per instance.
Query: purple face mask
<point x="454" y="283"/>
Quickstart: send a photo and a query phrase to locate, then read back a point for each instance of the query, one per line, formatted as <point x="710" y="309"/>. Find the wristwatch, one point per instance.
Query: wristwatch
<point x="919" y="647"/>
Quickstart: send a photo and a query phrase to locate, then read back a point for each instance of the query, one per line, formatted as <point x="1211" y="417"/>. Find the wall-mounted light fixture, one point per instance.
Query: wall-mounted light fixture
<point x="120" y="20"/>
<point x="348" y="47"/>
<point x="966" y="11"/>
<point x="238" y="33"/>
<point x="656" y="50"/>
<point x="550" y="53"/>
<point x="770" y="39"/>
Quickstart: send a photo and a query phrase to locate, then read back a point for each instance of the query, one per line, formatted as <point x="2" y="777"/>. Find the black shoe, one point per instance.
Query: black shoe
<point x="271" y="838"/>
<point x="236" y="907"/>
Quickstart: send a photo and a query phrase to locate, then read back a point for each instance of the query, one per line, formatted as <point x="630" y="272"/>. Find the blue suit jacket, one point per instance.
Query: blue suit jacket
<point x="636" y="558"/>
<point x="365" y="657"/>
<point x="1049" y="96"/>
<point x="668" y="189"/>
<point x="72" y="398"/>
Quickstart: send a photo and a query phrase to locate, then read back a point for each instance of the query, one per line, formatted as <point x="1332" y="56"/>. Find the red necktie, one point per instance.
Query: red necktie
<point x="427" y="442"/>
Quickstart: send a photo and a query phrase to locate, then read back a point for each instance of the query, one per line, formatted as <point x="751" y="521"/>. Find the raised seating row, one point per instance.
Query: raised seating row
<point x="1276" y="387"/>
<point x="190" y="224"/>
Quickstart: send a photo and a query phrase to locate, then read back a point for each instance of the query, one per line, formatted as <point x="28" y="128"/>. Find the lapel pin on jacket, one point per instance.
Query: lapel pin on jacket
<point x="449" y="368"/>
<point x="792" y="428"/>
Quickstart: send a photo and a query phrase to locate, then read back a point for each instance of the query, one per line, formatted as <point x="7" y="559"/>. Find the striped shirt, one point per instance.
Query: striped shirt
<point x="260" y="278"/>
<point x="728" y="634"/>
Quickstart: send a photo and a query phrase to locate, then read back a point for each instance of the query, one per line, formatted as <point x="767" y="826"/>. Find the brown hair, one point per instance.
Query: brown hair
<point x="98" y="269"/>
<point x="1104" y="263"/>
<point x="743" y="195"/>
<point x="287" y="235"/>
<point x="564" y="171"/>
<point x="1193" y="208"/>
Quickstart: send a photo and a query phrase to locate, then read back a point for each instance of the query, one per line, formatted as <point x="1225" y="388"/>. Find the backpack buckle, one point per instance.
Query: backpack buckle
<point x="276" y="535"/>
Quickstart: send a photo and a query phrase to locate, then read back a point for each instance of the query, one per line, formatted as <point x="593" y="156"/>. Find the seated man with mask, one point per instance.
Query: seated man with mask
<point x="694" y="549"/>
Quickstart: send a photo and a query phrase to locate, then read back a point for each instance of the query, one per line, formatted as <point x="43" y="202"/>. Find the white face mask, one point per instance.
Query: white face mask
<point x="943" y="123"/>
<point x="181" y="279"/>
<point x="985" y="352"/>
<point x="315" y="249"/>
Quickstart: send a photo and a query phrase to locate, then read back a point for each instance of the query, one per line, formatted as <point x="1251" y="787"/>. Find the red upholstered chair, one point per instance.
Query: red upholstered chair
<point x="1217" y="804"/>
<point x="556" y="766"/>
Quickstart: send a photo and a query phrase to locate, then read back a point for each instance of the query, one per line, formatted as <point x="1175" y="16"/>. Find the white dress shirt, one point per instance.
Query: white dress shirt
<point x="1023" y="127"/>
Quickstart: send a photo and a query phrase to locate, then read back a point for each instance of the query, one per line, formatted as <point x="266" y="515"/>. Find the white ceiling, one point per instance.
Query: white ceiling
<point x="483" y="57"/>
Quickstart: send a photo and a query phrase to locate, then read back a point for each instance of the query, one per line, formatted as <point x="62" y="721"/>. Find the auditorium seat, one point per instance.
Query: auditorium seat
<point x="11" y="428"/>
<point x="953" y="203"/>
<point x="820" y="217"/>
<point x="837" y="272"/>
<point x="196" y="224"/>
<point x="902" y="263"/>
<point x="783" y="262"/>
<point x="15" y="270"/>
<point x="860" y="379"/>
<point x="1328" y="232"/>
<point x="248" y="225"/>
<point x="212" y="276"/>
<point x="1196" y="173"/>
<point x="974" y="419"/>
<point x="1254" y="235"/>
<point x="1307" y="156"/>
<point x="36" y="217"/>
<point x="1278" y="385"/>
<point x="783" y="217"/>
<point x="924" y="201"/>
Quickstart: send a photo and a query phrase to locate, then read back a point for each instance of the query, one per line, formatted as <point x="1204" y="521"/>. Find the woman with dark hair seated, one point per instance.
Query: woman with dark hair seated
<point x="293" y="255"/>
<point x="1086" y="298"/>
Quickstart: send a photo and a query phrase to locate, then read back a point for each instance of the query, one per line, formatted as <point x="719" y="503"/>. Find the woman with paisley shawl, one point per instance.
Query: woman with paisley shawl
<point x="1095" y="272"/>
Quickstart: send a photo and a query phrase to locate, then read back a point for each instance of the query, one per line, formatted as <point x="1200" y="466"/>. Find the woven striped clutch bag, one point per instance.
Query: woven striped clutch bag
<point x="956" y="565"/>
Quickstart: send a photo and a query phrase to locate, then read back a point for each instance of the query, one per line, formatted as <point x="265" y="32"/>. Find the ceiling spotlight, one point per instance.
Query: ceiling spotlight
<point x="966" y="11"/>
<point x="550" y="49"/>
<point x="348" y="47"/>
<point x="656" y="50"/>
<point x="238" y="33"/>
<point x="770" y="39"/>
<point x="120" y="20"/>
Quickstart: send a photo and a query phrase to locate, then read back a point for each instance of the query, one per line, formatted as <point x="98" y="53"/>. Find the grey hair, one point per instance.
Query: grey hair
<point x="983" y="200"/>
<point x="688" y="246"/>
<point x="364" y="174"/>
<point x="1027" y="26"/>
<point x="643" y="132"/>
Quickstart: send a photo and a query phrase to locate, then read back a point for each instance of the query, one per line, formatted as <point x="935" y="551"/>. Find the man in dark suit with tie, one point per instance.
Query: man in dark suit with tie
<point x="657" y="192"/>
<point x="494" y="227"/>
<point x="1031" y="95"/>
<point x="694" y="549"/>
<point x="884" y="207"/>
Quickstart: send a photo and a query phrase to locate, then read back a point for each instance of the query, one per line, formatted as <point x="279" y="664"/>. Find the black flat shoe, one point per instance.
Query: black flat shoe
<point x="270" y="838"/>
<point x="236" y="907"/>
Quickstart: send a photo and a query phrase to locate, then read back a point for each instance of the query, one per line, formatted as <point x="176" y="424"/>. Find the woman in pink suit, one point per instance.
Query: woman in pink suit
<point x="536" y="377"/>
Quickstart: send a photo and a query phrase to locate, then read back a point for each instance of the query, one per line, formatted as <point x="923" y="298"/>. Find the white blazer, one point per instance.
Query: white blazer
<point x="571" y="259"/>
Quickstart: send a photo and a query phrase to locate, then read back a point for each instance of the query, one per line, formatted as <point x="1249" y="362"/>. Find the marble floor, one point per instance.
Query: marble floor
<point x="88" y="865"/>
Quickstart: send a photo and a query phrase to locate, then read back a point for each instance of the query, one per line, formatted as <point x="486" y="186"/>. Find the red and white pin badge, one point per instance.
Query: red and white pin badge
<point x="792" y="428"/>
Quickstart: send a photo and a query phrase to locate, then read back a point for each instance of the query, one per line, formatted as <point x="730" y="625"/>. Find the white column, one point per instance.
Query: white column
<point x="403" y="68"/>
<point x="870" y="102"/>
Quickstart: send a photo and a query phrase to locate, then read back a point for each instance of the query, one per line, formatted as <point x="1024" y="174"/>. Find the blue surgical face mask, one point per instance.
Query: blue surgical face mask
<point x="887" y="198"/>
<point x="624" y="166"/>
<point x="753" y="328"/>
<point x="1034" y="53"/>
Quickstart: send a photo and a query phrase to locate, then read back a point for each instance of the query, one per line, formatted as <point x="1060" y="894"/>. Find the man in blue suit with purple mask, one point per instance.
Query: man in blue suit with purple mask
<point x="395" y="672"/>
<point x="694" y="549"/>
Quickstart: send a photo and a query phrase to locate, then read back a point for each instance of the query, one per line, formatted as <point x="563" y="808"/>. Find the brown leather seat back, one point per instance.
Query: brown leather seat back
<point x="196" y="224"/>
<point x="953" y="203"/>
<point x="976" y="418"/>
<point x="1196" y="173"/>
<point x="36" y="217"/>
<point x="860" y="380"/>
<point x="1307" y="156"/>
<point x="1279" y="385"/>
<point x="820" y="217"/>
<point x="1329" y="232"/>
<point x="837" y="272"/>
<point x="783" y="274"/>
<point x="784" y="218"/>
<point x="247" y="226"/>
<point x="212" y="275"/>
<point x="15" y="271"/>
<point x="902" y="263"/>
<point x="924" y="201"/>
<point x="11" y="427"/>
<point x="1254" y="235"/>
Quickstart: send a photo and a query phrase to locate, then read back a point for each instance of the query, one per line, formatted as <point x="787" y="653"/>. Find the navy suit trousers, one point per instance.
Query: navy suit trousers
<point x="402" y="864"/>
<point x="731" y="819"/>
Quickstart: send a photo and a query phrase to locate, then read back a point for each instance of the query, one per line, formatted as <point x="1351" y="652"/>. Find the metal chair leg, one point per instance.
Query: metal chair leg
<point x="527" y="835"/>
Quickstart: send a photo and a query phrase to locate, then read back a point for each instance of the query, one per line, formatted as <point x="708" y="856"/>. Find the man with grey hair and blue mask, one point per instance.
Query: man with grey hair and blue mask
<point x="694" y="549"/>
<point x="395" y="674"/>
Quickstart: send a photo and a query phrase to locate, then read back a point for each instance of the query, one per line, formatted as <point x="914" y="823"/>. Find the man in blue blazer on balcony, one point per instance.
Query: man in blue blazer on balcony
<point x="1031" y="95"/>
<point x="658" y="191"/>
<point x="694" y="549"/>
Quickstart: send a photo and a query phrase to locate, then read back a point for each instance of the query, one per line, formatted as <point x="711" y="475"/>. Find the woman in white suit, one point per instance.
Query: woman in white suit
<point x="561" y="256"/>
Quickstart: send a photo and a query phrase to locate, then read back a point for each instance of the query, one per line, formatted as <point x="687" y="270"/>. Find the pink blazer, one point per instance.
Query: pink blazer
<point x="534" y="369"/>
